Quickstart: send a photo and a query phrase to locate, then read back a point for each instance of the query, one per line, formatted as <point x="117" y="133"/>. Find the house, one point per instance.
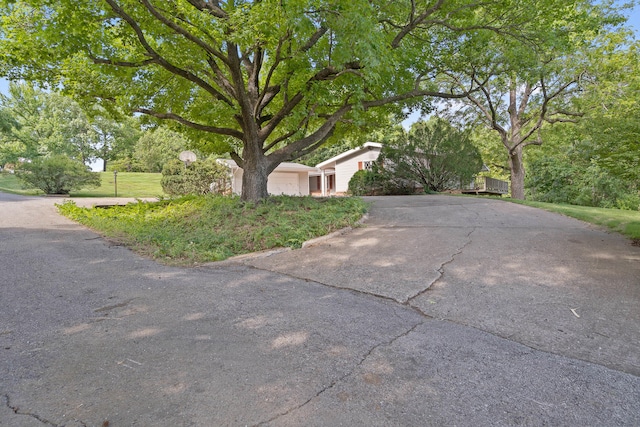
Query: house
<point x="288" y="178"/>
<point x="333" y="175"/>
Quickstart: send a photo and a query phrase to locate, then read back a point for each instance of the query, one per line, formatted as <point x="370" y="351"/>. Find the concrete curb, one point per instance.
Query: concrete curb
<point x="239" y="259"/>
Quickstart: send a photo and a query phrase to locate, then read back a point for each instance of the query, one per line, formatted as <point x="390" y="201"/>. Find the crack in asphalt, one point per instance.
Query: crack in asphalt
<point x="343" y="377"/>
<point x="440" y="270"/>
<point x="16" y="410"/>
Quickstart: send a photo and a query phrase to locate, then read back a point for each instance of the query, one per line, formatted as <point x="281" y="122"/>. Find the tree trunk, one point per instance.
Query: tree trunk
<point x="517" y="173"/>
<point x="254" y="179"/>
<point x="104" y="165"/>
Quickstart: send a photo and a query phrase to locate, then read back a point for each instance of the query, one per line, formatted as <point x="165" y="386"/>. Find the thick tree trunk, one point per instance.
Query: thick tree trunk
<point x="104" y="165"/>
<point x="517" y="173"/>
<point x="254" y="179"/>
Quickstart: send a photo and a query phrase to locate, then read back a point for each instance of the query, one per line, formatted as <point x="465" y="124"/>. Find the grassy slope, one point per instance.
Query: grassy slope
<point x="129" y="185"/>
<point x="9" y="183"/>
<point x="621" y="221"/>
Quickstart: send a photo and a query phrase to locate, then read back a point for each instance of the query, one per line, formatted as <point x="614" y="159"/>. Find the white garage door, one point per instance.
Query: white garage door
<point x="283" y="183"/>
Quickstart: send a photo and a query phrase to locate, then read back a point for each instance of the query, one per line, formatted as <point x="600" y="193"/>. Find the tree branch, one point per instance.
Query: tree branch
<point x="182" y="31"/>
<point x="162" y="61"/>
<point x="172" y="116"/>
<point x="117" y="63"/>
<point x="210" y="6"/>
<point x="414" y="22"/>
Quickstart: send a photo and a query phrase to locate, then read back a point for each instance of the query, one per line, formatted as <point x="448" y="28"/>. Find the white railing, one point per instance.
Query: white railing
<point x="484" y="184"/>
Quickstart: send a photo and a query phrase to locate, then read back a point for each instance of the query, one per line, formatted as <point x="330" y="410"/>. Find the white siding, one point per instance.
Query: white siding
<point x="283" y="183"/>
<point x="345" y="168"/>
<point x="289" y="183"/>
<point x="303" y="184"/>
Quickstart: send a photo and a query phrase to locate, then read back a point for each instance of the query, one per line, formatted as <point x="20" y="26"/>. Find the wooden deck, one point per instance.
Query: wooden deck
<point x="486" y="185"/>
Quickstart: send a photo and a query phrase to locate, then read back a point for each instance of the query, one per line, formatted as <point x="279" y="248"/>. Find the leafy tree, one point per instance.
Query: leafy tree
<point x="57" y="175"/>
<point x="433" y="153"/>
<point x="526" y="86"/>
<point x="115" y="137"/>
<point x="38" y="123"/>
<point x="158" y="146"/>
<point x="267" y="81"/>
<point x="596" y="162"/>
<point x="612" y="109"/>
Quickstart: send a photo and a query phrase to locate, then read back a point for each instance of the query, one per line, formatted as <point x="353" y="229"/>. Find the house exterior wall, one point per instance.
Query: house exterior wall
<point x="345" y="168"/>
<point x="303" y="184"/>
<point x="289" y="183"/>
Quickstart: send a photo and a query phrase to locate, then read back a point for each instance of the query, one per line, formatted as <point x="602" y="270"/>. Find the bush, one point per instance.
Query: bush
<point x="365" y="183"/>
<point x="433" y="154"/>
<point x="126" y="165"/>
<point x="379" y="183"/>
<point x="58" y="175"/>
<point x="200" y="177"/>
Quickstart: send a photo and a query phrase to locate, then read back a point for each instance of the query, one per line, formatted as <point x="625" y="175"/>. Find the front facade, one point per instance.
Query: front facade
<point x="334" y="174"/>
<point x="291" y="179"/>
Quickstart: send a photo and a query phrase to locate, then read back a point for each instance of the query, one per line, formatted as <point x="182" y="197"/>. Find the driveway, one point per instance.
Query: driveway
<point x="439" y="311"/>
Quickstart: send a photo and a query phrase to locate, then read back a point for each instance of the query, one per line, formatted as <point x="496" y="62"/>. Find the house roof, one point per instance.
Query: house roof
<point x="282" y="167"/>
<point x="333" y="160"/>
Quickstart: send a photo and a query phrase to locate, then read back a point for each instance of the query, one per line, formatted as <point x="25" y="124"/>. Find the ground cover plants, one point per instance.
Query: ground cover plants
<point x="196" y="229"/>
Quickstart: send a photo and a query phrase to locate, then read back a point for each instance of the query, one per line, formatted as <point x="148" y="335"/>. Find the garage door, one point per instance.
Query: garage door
<point x="283" y="183"/>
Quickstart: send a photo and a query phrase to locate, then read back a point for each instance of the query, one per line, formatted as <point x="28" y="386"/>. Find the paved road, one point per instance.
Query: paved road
<point x="440" y="311"/>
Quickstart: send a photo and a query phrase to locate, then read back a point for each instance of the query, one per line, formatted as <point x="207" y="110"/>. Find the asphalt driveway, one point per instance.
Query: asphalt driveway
<point x="440" y="311"/>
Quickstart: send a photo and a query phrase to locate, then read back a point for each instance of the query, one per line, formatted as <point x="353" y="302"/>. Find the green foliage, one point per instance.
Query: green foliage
<point x="365" y="183"/>
<point x="115" y="138"/>
<point x="434" y="154"/>
<point x="57" y="175"/>
<point x="200" y="177"/>
<point x="41" y="123"/>
<point x="197" y="229"/>
<point x="158" y="146"/>
<point x="271" y="81"/>
<point x="127" y="165"/>
<point x="34" y="123"/>
<point x="575" y="175"/>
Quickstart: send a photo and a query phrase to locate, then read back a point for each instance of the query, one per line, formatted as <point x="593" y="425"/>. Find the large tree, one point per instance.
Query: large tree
<point x="524" y="85"/>
<point x="268" y="81"/>
<point x="39" y="123"/>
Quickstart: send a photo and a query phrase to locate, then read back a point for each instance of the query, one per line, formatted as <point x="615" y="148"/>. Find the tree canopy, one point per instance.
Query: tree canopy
<point x="269" y="81"/>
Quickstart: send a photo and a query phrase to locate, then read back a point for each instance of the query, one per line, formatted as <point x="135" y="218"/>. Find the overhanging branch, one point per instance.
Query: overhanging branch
<point x="172" y="116"/>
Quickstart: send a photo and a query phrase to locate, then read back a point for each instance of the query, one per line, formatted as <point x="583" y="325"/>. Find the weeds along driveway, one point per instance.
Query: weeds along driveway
<point x="91" y="334"/>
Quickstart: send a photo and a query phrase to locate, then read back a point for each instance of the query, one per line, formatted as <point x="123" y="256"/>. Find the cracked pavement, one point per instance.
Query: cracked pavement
<point x="439" y="311"/>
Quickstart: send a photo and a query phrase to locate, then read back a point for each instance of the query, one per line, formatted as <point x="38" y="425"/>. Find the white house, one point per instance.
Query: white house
<point x="334" y="174"/>
<point x="288" y="178"/>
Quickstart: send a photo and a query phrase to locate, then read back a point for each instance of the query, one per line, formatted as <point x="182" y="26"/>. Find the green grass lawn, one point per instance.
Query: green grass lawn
<point x="9" y="183"/>
<point x="130" y="184"/>
<point x="621" y="221"/>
